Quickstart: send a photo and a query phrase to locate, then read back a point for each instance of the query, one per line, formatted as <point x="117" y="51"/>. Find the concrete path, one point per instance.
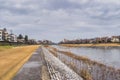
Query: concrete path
<point x="32" y="69"/>
<point x="44" y="66"/>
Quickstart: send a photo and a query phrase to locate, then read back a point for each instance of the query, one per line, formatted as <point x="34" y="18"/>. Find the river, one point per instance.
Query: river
<point x="107" y="55"/>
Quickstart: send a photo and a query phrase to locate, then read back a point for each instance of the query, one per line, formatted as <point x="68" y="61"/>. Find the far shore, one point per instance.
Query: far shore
<point x="93" y="45"/>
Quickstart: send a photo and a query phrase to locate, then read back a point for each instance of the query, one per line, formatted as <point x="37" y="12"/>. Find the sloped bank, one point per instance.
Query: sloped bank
<point x="57" y="69"/>
<point x="88" y="69"/>
<point x="43" y="65"/>
<point x="93" y="45"/>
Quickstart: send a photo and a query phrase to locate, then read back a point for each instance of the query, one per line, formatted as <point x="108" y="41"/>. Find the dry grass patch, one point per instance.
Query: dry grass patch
<point x="3" y="48"/>
<point x="89" y="70"/>
<point x="93" y="45"/>
<point x="45" y="73"/>
<point x="86" y="75"/>
<point x="12" y="59"/>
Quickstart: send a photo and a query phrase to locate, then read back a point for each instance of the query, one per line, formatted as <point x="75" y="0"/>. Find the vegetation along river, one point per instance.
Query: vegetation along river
<point x="109" y="56"/>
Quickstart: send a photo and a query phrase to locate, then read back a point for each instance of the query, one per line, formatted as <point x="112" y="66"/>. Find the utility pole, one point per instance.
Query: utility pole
<point x="11" y="32"/>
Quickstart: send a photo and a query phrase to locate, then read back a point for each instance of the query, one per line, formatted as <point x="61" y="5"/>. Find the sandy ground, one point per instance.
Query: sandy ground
<point x="11" y="60"/>
<point x="3" y="48"/>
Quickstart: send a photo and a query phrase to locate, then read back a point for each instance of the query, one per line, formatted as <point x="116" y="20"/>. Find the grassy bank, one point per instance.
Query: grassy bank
<point x="3" y="48"/>
<point x="12" y="59"/>
<point x="93" y="45"/>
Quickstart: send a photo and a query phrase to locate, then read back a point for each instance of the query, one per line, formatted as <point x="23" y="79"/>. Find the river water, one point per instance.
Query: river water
<point x="107" y="55"/>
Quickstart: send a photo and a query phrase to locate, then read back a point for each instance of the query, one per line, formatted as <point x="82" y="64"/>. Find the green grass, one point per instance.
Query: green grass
<point x="2" y="48"/>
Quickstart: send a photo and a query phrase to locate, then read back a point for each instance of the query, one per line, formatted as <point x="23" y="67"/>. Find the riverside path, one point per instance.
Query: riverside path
<point x="44" y="66"/>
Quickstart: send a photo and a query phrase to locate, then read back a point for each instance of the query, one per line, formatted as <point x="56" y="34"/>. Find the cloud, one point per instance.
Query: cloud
<point x="59" y="19"/>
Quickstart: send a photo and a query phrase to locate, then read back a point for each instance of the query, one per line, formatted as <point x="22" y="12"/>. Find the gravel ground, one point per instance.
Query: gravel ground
<point x="32" y="70"/>
<point x="57" y="69"/>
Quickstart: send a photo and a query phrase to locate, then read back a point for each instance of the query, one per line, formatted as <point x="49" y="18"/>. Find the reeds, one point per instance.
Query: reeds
<point x="86" y="68"/>
<point x="85" y="75"/>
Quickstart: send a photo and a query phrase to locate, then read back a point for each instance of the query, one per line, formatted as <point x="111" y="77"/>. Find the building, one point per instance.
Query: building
<point x="5" y="36"/>
<point x="1" y="35"/>
<point x="20" y="40"/>
<point x="46" y="42"/>
<point x="115" y="39"/>
<point x="12" y="38"/>
<point x="32" y="41"/>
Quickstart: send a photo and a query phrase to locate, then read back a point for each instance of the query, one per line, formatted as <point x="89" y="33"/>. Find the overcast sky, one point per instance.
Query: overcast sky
<point x="59" y="19"/>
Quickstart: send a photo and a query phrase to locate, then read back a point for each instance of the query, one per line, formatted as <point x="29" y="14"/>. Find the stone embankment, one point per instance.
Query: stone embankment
<point x="88" y="69"/>
<point x="57" y="69"/>
<point x="43" y="65"/>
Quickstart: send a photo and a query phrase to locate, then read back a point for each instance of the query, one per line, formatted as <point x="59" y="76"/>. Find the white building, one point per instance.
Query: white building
<point x="1" y="35"/>
<point x="4" y="36"/>
<point x="12" y="38"/>
<point x="115" y="40"/>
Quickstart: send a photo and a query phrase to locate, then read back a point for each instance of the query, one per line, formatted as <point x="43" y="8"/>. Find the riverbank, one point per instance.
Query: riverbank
<point x="12" y="59"/>
<point x="84" y="66"/>
<point x="34" y="68"/>
<point x="3" y="48"/>
<point x="44" y="66"/>
<point x="93" y="45"/>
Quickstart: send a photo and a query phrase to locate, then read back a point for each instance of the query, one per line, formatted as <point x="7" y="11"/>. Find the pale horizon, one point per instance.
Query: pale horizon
<point x="58" y="19"/>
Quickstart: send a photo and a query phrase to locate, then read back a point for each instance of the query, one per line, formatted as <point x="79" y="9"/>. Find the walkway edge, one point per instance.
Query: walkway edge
<point x="10" y="74"/>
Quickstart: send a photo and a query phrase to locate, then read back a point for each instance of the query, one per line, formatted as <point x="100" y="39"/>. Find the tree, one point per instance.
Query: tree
<point x="26" y="38"/>
<point x="4" y="29"/>
<point x="20" y="36"/>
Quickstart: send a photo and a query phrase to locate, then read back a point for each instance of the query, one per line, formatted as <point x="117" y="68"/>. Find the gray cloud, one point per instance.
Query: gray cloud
<point x="59" y="19"/>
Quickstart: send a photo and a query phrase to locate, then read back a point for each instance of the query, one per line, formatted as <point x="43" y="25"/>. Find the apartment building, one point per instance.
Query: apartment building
<point x="115" y="39"/>
<point x="12" y="38"/>
<point x="5" y="36"/>
<point x="1" y="35"/>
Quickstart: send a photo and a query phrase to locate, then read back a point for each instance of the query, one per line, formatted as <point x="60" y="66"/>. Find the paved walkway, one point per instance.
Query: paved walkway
<point x="32" y="69"/>
<point x="45" y="67"/>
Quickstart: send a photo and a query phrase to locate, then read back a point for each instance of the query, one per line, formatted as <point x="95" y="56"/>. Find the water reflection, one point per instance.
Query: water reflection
<point x="107" y="55"/>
